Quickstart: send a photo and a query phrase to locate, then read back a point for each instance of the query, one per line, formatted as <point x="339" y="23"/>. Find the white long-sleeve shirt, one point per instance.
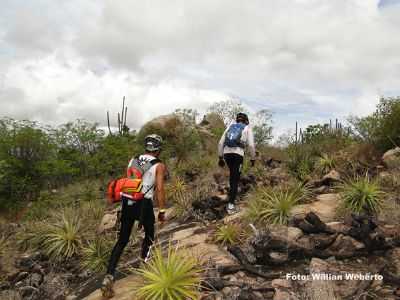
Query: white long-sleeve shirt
<point x="247" y="139"/>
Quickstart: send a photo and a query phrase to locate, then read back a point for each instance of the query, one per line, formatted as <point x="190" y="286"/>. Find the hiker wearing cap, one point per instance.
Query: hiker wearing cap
<point x="231" y="150"/>
<point x="149" y="171"/>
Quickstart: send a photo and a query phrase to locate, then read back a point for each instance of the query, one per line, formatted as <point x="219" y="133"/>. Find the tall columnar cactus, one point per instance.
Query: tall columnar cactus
<point x="121" y="120"/>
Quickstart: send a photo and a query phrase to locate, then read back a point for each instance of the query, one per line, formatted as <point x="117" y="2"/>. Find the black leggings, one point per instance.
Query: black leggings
<point x="141" y="211"/>
<point x="234" y="162"/>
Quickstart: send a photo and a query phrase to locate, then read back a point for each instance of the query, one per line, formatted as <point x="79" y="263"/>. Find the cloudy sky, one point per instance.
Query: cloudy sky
<point x="306" y="60"/>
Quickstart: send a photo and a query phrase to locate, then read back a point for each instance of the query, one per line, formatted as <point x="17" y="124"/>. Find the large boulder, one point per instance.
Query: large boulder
<point x="212" y="121"/>
<point x="162" y="121"/>
<point x="325" y="207"/>
<point x="168" y="126"/>
<point x="392" y="158"/>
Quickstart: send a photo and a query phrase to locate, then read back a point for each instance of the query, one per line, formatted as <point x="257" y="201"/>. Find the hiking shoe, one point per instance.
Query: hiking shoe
<point x="231" y="209"/>
<point x="107" y="286"/>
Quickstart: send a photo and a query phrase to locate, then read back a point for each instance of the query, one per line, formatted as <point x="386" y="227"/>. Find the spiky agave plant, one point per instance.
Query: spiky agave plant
<point x="272" y="206"/>
<point x="301" y="191"/>
<point x="176" y="188"/>
<point x="174" y="277"/>
<point x="95" y="255"/>
<point x="62" y="239"/>
<point x="325" y="163"/>
<point x="362" y="195"/>
<point x="228" y="234"/>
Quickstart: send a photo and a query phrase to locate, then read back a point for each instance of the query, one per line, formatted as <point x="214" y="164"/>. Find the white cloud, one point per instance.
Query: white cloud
<point x="307" y="60"/>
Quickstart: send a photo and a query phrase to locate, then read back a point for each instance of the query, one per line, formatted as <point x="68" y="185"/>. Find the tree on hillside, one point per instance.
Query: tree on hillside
<point x="262" y="127"/>
<point x="227" y="109"/>
<point x="77" y="143"/>
<point x="24" y="148"/>
<point x="260" y="121"/>
<point x="382" y="128"/>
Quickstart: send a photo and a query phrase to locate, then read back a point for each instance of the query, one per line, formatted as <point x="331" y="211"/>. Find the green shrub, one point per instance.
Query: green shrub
<point x="272" y="206"/>
<point x="174" y="277"/>
<point x="228" y="234"/>
<point x="95" y="255"/>
<point x="362" y="195"/>
<point x="300" y="161"/>
<point x="382" y="128"/>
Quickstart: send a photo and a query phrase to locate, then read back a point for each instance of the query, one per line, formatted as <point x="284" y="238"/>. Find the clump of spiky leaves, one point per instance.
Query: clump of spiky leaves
<point x="62" y="239"/>
<point x="176" y="276"/>
<point x="272" y="206"/>
<point x="362" y="195"/>
<point x="302" y="191"/>
<point x="228" y="234"/>
<point x="59" y="237"/>
<point x="325" y="163"/>
<point x="176" y="188"/>
<point x="95" y="255"/>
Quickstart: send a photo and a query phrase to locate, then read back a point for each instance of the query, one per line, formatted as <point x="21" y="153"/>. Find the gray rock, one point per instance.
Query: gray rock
<point x="21" y="276"/>
<point x="331" y="177"/>
<point x="29" y="292"/>
<point x="35" y="280"/>
<point x="108" y="222"/>
<point x="278" y="258"/>
<point x="322" y="189"/>
<point x="227" y="291"/>
<point x="394" y="257"/>
<point x="10" y="295"/>
<point x="391" y="158"/>
<point x="19" y="284"/>
<point x="28" y="261"/>
<point x="53" y="287"/>
<point x="345" y="246"/>
<point x="5" y="285"/>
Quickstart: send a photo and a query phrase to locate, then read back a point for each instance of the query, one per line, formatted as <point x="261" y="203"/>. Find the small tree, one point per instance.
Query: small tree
<point x="227" y="109"/>
<point x="382" y="128"/>
<point x="262" y="127"/>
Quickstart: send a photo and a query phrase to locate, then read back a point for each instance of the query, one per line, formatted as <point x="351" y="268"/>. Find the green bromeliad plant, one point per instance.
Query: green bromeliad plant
<point x="325" y="163"/>
<point x="95" y="255"/>
<point x="273" y="206"/>
<point x="228" y="234"/>
<point x="175" y="276"/>
<point x="59" y="237"/>
<point x="362" y="195"/>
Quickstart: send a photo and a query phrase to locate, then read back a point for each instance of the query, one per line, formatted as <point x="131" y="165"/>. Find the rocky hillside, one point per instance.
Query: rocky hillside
<point x="295" y="237"/>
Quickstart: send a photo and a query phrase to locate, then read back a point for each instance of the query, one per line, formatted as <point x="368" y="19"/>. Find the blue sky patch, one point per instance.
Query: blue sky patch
<point x="385" y="3"/>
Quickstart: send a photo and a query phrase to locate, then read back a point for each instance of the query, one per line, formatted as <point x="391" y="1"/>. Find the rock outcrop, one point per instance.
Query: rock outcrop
<point x="391" y="158"/>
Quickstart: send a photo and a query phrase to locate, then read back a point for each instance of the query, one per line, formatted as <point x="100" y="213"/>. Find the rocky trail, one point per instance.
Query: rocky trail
<point x="315" y="243"/>
<point x="278" y="262"/>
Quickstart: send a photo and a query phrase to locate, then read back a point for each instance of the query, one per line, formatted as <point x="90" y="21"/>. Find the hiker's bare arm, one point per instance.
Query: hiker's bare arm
<point x="160" y="174"/>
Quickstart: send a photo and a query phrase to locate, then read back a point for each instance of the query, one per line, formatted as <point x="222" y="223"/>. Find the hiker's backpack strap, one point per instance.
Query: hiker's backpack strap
<point x="147" y="166"/>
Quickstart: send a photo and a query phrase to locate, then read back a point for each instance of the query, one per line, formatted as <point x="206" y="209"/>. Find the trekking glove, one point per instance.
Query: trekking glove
<point x="221" y="162"/>
<point x="161" y="216"/>
<point x="252" y="162"/>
